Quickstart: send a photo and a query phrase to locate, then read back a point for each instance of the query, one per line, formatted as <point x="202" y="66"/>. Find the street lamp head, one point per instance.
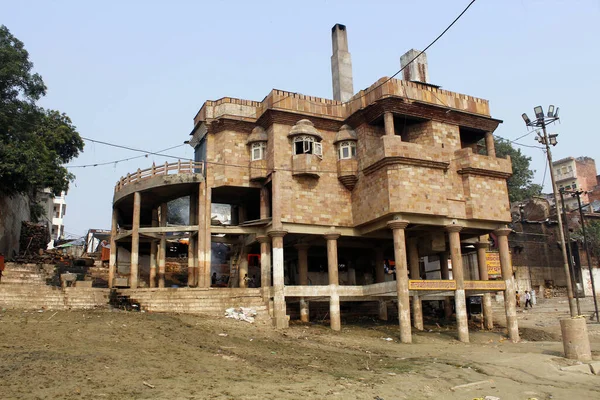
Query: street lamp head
<point x="526" y="119"/>
<point x="552" y="138"/>
<point x="556" y="112"/>
<point x="550" y="111"/>
<point x="539" y="112"/>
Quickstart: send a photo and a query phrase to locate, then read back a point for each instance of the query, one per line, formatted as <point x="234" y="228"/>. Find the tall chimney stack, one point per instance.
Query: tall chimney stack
<point x="417" y="70"/>
<point x="341" y="64"/>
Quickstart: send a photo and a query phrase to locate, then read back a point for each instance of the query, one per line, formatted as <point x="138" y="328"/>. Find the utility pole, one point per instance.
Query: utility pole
<point x="568" y="237"/>
<point x="587" y="252"/>
<point x="541" y="121"/>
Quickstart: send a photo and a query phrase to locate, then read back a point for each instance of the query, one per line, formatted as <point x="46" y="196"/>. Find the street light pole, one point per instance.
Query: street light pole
<point x="569" y="250"/>
<point x="540" y="121"/>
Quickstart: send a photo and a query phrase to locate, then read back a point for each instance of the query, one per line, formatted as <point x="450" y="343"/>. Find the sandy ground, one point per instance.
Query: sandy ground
<point x="114" y="354"/>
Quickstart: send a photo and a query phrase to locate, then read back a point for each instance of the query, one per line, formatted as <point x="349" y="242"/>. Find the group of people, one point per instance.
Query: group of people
<point x="528" y="299"/>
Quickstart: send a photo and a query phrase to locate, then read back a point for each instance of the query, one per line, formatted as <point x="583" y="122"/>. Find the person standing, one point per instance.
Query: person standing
<point x="528" y="299"/>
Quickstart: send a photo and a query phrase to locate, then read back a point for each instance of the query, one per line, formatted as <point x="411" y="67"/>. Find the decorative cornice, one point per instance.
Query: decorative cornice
<point x="484" y="172"/>
<point x="276" y="233"/>
<point x="270" y="117"/>
<point x="503" y="231"/>
<point x="453" y="228"/>
<point x="263" y="239"/>
<point x="398" y="160"/>
<point x="331" y="236"/>
<point x="397" y="224"/>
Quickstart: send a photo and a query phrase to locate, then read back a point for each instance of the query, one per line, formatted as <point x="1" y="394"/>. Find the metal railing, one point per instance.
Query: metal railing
<point x="186" y="167"/>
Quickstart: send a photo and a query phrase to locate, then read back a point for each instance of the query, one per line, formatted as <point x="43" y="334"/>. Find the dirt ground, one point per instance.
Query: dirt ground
<point x="115" y="354"/>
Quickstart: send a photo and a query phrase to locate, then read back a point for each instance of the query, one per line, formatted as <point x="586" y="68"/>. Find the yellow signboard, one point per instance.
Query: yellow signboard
<point x="492" y="260"/>
<point x="485" y="285"/>
<point x="415" y="284"/>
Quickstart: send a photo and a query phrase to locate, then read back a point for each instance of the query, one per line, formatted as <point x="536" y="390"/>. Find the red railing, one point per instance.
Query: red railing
<point x="186" y="167"/>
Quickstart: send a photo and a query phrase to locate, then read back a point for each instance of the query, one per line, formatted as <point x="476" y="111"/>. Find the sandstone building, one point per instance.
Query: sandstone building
<point x="327" y="190"/>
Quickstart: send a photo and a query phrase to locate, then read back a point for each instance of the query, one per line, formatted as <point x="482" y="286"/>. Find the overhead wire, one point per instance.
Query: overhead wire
<point x="114" y="162"/>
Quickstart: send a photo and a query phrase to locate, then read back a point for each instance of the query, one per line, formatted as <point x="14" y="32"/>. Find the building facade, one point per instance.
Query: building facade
<point x="575" y="174"/>
<point x="333" y="189"/>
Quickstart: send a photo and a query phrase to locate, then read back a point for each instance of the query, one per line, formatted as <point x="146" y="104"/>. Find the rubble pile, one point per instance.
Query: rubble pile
<point x="241" y="314"/>
<point x="34" y="237"/>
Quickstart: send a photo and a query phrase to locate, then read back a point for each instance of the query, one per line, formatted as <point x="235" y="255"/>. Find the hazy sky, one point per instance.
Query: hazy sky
<point x="136" y="72"/>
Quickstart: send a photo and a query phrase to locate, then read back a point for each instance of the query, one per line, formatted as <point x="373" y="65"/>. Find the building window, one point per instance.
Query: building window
<point x="347" y="150"/>
<point x="570" y="168"/>
<point x="258" y="151"/>
<point x="306" y="145"/>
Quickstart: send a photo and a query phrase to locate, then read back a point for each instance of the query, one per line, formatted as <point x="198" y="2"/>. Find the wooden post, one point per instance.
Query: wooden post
<point x="397" y="227"/>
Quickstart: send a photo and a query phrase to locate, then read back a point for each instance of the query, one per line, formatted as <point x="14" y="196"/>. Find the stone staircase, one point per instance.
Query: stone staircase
<point x="24" y="287"/>
<point x="211" y="301"/>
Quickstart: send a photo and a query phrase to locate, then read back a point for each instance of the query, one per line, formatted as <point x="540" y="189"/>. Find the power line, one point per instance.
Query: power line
<point x="410" y="62"/>
<point x="134" y="149"/>
<point x="121" y="160"/>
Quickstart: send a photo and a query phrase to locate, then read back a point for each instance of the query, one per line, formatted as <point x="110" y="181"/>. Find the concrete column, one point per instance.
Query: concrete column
<point x="135" y="241"/>
<point x="489" y="144"/>
<point x="162" y="253"/>
<point x="303" y="278"/>
<point x="445" y="272"/>
<point x="243" y="267"/>
<point x="265" y="266"/>
<point x="192" y="252"/>
<point x="380" y="277"/>
<point x="397" y="227"/>
<point x="482" y="247"/>
<point x="265" y="203"/>
<point x="201" y="238"/>
<point x="413" y="258"/>
<point x="112" y="262"/>
<point x="207" y="238"/>
<point x="153" y="251"/>
<point x="276" y="200"/>
<point x="388" y="123"/>
<point x="576" y="341"/>
<point x="279" y="307"/>
<point x="510" y="300"/>
<point x="460" y="302"/>
<point x="332" y="273"/>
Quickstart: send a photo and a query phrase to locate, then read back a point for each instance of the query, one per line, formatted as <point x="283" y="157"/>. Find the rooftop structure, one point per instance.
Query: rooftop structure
<point x="575" y="174"/>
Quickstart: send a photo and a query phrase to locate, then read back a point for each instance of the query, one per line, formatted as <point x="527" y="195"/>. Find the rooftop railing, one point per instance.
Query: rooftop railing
<point x="186" y="167"/>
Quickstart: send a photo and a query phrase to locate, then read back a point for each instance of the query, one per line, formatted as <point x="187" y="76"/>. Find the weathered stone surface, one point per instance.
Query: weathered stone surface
<point x="582" y="368"/>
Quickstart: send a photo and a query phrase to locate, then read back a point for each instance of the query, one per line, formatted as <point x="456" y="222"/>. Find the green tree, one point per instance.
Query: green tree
<point x="520" y="186"/>
<point x="34" y="143"/>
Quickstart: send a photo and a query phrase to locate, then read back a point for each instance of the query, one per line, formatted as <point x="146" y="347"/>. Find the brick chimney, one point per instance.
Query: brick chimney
<point x="417" y="70"/>
<point x="341" y="64"/>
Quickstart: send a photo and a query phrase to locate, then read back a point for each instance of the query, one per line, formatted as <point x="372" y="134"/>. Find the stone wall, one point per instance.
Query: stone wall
<point x="13" y="211"/>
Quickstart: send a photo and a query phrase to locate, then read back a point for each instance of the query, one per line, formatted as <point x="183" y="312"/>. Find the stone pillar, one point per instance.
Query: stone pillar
<point x="482" y="247"/>
<point x="380" y="277"/>
<point x="576" y="342"/>
<point x="265" y="266"/>
<point x="264" y="203"/>
<point x="510" y="300"/>
<point x="388" y="124"/>
<point x="279" y="308"/>
<point x="243" y="267"/>
<point x="303" y="278"/>
<point x="200" y="277"/>
<point x="460" y="303"/>
<point x="206" y="272"/>
<point x="153" y="250"/>
<point x="162" y="253"/>
<point x="192" y="252"/>
<point x="413" y="258"/>
<point x="332" y="273"/>
<point x="135" y="241"/>
<point x="489" y="144"/>
<point x="445" y="273"/>
<point x="112" y="262"/>
<point x="398" y="227"/>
